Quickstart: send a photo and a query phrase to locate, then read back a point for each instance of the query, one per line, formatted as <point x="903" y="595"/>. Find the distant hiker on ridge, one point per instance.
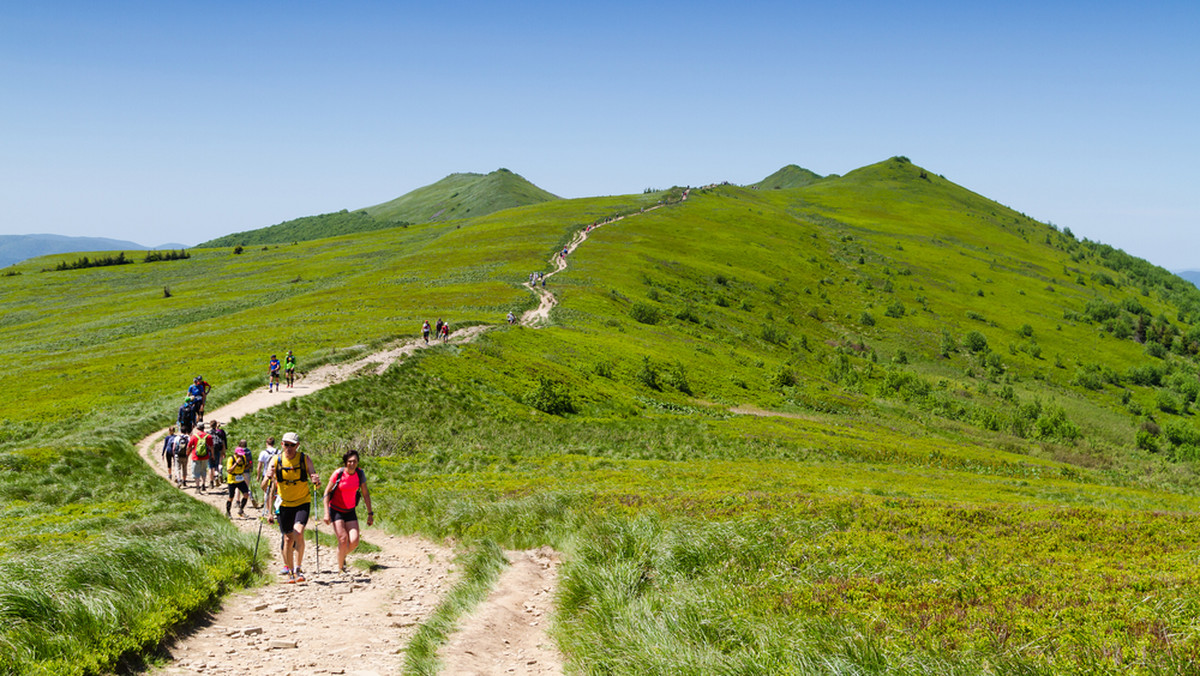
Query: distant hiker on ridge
<point x="425" y="331"/>
<point x="273" y="378"/>
<point x="289" y="367"/>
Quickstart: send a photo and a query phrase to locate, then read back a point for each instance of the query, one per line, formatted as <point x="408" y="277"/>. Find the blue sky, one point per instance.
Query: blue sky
<point x="178" y="122"/>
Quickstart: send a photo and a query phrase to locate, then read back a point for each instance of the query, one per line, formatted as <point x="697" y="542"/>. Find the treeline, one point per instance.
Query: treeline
<point x="120" y="259"/>
<point x="98" y="262"/>
<point x="307" y="228"/>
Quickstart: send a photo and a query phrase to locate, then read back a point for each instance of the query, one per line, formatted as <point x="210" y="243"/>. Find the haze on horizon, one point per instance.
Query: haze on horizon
<point x="171" y="122"/>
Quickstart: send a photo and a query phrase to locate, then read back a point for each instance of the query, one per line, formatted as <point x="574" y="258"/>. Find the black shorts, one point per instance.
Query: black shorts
<point x="169" y="457"/>
<point x="275" y="373"/>
<point x="290" y="516"/>
<point x="336" y="514"/>
<point x="239" y="486"/>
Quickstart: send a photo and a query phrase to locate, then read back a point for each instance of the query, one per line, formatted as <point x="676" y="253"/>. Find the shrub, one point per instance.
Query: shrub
<point x="975" y="342"/>
<point x="895" y="310"/>
<point x="551" y="396"/>
<point x="1166" y="402"/>
<point x="773" y="334"/>
<point x="643" y="313"/>
<point x="1026" y="331"/>
<point x="1156" y="350"/>
<point x="676" y="377"/>
<point x="648" y="375"/>
<point x="867" y="319"/>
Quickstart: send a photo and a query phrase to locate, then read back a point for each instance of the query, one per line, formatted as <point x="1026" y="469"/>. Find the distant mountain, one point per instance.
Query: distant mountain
<point x="463" y="195"/>
<point x="1192" y="276"/>
<point x="456" y="196"/>
<point x="16" y="248"/>
<point x="790" y="176"/>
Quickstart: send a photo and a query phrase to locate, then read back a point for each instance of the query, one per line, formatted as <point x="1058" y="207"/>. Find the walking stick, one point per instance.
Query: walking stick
<point x="260" y="525"/>
<point x="318" y="531"/>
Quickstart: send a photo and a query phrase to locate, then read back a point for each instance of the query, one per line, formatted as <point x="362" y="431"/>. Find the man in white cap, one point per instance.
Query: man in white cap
<point x="289" y="476"/>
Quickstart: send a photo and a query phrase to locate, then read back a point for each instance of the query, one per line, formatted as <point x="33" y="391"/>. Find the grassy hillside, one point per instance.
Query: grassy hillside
<point x="456" y="196"/>
<point x="875" y="424"/>
<point x="305" y="229"/>
<point x="462" y="196"/>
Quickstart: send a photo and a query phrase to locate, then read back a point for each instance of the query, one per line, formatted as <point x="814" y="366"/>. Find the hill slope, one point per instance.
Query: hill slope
<point x="462" y="196"/>
<point x="456" y="196"/>
<point x="774" y="429"/>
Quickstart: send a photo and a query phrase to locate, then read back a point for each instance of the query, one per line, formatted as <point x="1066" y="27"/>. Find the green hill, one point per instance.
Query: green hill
<point x="456" y="196"/>
<point x="306" y="228"/>
<point x="788" y="177"/>
<point x="462" y="196"/>
<point x="878" y="423"/>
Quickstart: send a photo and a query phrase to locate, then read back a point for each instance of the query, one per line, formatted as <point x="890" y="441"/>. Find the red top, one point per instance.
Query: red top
<point x="345" y="493"/>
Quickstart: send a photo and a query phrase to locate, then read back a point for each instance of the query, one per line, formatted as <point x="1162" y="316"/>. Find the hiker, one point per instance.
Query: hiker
<point x="273" y="379"/>
<point x="168" y="452"/>
<point x="511" y="318"/>
<point x="264" y="459"/>
<point x="187" y="416"/>
<point x="237" y="469"/>
<point x="201" y="397"/>
<point x="425" y="331"/>
<point x="200" y="448"/>
<point x="437" y="333"/>
<point x="346" y="485"/>
<point x="219" y="444"/>
<point x="181" y="459"/>
<point x="445" y="332"/>
<point x="289" y="476"/>
<point x="289" y="367"/>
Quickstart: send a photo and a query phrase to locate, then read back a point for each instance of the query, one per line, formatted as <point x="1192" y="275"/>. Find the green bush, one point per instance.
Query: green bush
<point x="644" y="313"/>
<point x="551" y="396"/>
<point x="975" y="342"/>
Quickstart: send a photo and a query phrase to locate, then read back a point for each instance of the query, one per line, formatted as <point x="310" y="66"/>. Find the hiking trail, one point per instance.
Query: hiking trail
<point x="361" y="624"/>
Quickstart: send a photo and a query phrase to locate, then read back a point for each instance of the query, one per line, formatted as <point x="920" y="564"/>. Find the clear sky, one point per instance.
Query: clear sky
<point x="164" y="121"/>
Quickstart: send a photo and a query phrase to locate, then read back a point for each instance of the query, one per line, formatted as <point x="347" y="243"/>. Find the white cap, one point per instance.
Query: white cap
<point x="291" y="438"/>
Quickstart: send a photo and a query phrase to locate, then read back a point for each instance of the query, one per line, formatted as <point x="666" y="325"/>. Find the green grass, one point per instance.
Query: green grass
<point x="996" y="475"/>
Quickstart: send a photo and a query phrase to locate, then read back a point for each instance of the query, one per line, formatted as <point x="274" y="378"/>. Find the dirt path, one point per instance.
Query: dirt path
<point x="361" y="623"/>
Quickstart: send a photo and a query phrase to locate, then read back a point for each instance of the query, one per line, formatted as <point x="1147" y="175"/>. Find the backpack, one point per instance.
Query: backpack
<point x="279" y="470"/>
<point x="202" y="445"/>
<point x="181" y="443"/>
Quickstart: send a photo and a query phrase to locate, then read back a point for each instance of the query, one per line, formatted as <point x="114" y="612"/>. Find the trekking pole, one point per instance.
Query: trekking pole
<point x="254" y="561"/>
<point x="318" y="531"/>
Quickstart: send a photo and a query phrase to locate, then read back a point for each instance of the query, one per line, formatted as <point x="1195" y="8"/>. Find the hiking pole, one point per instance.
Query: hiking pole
<point x="318" y="531"/>
<point x="260" y="525"/>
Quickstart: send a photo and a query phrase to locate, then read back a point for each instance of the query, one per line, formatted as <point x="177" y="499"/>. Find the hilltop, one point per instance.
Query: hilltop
<point x="461" y="196"/>
<point x="791" y="176"/>
<point x="456" y="196"/>
<point x="829" y="424"/>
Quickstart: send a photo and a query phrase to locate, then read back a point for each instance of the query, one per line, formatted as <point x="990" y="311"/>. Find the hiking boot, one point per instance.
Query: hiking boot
<point x="286" y="571"/>
<point x="298" y="577"/>
<point x="241" y="514"/>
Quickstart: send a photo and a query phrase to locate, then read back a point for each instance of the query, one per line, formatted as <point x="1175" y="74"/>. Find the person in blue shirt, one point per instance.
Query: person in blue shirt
<point x="273" y="380"/>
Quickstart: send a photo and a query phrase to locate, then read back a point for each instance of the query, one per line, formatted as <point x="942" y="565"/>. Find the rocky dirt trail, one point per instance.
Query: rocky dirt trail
<point x="360" y="624"/>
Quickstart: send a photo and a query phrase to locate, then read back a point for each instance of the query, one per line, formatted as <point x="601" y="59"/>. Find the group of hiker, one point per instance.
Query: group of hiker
<point x="289" y="480"/>
<point x="442" y="331"/>
<point x="289" y="368"/>
<point x="536" y="278"/>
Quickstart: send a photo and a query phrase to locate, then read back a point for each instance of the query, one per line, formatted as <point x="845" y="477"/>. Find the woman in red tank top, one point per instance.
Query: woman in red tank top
<point x="346" y="485"/>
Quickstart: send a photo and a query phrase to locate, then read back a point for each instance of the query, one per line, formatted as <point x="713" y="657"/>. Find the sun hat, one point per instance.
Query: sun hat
<point x="291" y="438"/>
